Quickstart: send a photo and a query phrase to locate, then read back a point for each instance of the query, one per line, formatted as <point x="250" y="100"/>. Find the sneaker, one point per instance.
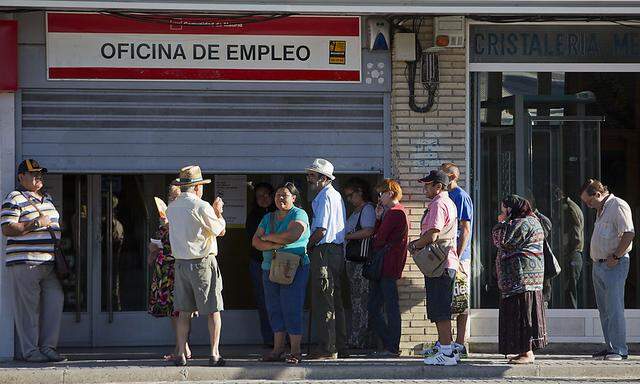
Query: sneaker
<point x="441" y="359"/>
<point x="600" y="354"/>
<point x="460" y="351"/>
<point x="36" y="357"/>
<point x="613" y="357"/>
<point x="432" y="350"/>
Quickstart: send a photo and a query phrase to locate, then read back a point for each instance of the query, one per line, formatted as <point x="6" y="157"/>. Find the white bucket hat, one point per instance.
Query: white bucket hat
<point x="323" y="167"/>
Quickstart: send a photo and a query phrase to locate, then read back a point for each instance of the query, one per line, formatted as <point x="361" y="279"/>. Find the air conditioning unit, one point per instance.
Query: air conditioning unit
<point x="449" y="32"/>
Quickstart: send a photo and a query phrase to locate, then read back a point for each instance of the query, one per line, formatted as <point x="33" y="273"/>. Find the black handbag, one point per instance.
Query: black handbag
<point x="372" y="269"/>
<point x="61" y="265"/>
<point x="551" y="265"/>
<point x="357" y="251"/>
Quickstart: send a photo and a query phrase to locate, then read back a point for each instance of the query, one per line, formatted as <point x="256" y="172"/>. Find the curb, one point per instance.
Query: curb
<point x="124" y="372"/>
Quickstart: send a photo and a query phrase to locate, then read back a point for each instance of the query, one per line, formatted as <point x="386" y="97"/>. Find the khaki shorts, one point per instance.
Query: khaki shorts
<point x="198" y="286"/>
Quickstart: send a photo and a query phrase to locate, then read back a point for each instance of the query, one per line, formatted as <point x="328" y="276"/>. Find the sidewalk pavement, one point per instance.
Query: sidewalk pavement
<point x="139" y="365"/>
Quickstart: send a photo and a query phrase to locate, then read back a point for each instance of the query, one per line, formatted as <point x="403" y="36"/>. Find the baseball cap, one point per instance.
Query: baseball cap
<point x="436" y="177"/>
<point x="30" y="165"/>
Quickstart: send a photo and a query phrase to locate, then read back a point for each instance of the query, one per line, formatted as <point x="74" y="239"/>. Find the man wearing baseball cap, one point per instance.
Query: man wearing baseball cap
<point x="30" y="222"/>
<point x="440" y="223"/>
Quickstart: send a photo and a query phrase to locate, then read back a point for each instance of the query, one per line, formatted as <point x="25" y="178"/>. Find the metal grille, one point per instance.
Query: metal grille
<point x="160" y="131"/>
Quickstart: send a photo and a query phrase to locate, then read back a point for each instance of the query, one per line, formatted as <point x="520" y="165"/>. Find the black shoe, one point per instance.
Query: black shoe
<point x="180" y="361"/>
<point x="219" y="362"/>
<point x="600" y="354"/>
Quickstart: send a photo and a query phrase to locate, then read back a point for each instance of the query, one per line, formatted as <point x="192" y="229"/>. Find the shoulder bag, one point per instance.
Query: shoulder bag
<point x="460" y="302"/>
<point x="431" y="259"/>
<point x="61" y="265"/>
<point x="372" y="268"/>
<point x="357" y="251"/>
<point x="283" y="264"/>
<point x="551" y="264"/>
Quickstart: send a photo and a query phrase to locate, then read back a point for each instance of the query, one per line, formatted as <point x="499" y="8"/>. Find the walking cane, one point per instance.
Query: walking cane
<point x="309" y="331"/>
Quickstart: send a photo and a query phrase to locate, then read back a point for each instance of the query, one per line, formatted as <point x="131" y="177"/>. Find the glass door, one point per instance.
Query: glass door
<point x="126" y="220"/>
<point x="565" y="152"/>
<point x="71" y="198"/>
<point x="536" y="140"/>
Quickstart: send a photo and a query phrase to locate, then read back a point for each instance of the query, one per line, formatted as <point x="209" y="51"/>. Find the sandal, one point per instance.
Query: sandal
<point x="271" y="357"/>
<point x="520" y="360"/>
<point x="219" y="362"/>
<point x="293" y="359"/>
<point x="171" y="357"/>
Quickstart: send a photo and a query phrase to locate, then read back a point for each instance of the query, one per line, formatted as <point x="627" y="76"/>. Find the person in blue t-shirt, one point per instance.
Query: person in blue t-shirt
<point x="287" y="230"/>
<point x="464" y="205"/>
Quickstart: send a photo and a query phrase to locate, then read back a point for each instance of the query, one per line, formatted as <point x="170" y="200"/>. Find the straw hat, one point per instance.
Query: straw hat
<point x="190" y="175"/>
<point x="323" y="167"/>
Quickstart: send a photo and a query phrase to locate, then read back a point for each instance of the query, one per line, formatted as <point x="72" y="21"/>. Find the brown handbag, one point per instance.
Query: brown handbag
<point x="61" y="265"/>
<point x="283" y="264"/>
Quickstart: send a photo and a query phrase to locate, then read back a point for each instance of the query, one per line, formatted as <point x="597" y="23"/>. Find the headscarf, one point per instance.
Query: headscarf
<point x="520" y="207"/>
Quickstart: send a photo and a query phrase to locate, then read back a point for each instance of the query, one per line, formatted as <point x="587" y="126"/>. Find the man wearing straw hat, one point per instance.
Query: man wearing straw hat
<point x="195" y="225"/>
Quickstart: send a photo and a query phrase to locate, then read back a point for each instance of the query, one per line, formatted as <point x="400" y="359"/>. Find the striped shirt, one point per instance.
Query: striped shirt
<point x="35" y="247"/>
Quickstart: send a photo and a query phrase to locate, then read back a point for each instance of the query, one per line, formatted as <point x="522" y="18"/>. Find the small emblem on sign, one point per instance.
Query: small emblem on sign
<point x="337" y="52"/>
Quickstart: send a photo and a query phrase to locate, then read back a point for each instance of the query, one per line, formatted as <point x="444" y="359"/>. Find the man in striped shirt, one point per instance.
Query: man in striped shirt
<point x="29" y="220"/>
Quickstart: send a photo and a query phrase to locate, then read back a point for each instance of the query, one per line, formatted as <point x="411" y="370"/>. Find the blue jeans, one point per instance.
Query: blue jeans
<point x="384" y="293"/>
<point x="608" y="284"/>
<point x="285" y="302"/>
<point x="255" y="271"/>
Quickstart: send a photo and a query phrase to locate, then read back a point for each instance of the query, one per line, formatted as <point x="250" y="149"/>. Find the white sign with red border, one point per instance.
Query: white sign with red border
<point x="93" y="46"/>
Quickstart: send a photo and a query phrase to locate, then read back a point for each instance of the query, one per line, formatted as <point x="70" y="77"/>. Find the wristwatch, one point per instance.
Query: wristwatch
<point x="36" y="224"/>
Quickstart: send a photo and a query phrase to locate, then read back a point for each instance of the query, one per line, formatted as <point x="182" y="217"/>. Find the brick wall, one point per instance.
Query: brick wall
<point x="421" y="142"/>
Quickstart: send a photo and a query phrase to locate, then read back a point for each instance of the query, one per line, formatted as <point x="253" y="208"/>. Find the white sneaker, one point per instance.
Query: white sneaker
<point x="441" y="359"/>
<point x="460" y="351"/>
<point x="431" y="351"/>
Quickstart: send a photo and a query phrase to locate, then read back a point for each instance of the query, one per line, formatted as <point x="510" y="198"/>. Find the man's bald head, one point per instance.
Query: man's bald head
<point x="451" y="169"/>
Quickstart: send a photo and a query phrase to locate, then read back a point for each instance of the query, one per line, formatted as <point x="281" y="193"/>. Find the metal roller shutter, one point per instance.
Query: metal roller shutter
<point x="130" y="131"/>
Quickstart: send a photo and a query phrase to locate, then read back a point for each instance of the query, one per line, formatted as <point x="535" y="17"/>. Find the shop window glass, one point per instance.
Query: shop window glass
<point x="563" y="154"/>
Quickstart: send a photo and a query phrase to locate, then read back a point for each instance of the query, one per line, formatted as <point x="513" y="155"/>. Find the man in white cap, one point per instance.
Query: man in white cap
<point x="327" y="262"/>
<point x="195" y="225"/>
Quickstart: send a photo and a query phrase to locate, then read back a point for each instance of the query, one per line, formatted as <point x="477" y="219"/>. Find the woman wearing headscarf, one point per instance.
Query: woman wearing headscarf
<point x="519" y="238"/>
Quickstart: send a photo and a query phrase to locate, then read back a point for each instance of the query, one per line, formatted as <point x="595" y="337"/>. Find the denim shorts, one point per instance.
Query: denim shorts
<point x="285" y="302"/>
<point x="440" y="295"/>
